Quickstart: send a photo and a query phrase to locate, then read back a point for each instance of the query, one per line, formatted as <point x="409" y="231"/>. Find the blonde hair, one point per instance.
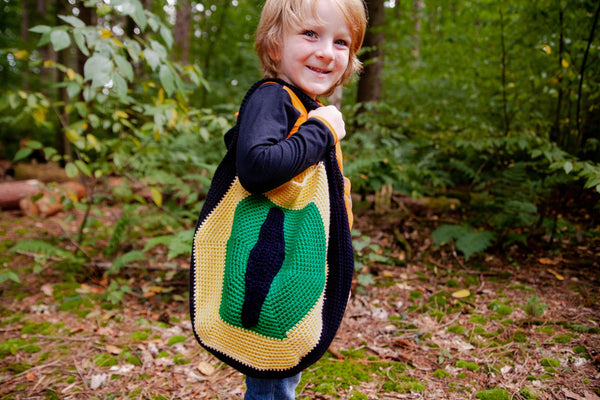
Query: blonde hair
<point x="279" y="15"/>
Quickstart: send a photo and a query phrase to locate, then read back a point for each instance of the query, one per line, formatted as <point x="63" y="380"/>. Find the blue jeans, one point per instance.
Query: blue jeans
<point x="271" y="389"/>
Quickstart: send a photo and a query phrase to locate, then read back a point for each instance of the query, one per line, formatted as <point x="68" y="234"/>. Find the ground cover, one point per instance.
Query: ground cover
<point x="521" y="323"/>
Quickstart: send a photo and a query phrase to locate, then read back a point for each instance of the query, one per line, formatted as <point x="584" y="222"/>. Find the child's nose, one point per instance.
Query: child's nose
<point x="325" y="50"/>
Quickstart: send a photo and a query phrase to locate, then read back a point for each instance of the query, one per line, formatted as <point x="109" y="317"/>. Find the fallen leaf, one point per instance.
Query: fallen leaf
<point x="47" y="289"/>
<point x="461" y="294"/>
<point x="556" y="275"/>
<point x="79" y="328"/>
<point x="105" y="331"/>
<point x="97" y="381"/>
<point x="206" y="368"/>
<point x="113" y="349"/>
<point x="31" y="376"/>
<point x="547" y="261"/>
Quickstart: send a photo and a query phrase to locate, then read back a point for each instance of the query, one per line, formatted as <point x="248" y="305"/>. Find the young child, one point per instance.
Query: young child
<point x="310" y="45"/>
<point x="272" y="257"/>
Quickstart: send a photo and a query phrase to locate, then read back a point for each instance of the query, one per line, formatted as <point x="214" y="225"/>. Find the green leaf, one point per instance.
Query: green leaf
<point x="167" y="36"/>
<point x="49" y="152"/>
<point x="125" y="68"/>
<point x="568" y="167"/>
<point x="70" y="19"/>
<point x="40" y="29"/>
<point x="71" y="170"/>
<point x="34" y="144"/>
<point x="60" y="39"/>
<point x="167" y="79"/>
<point x="80" y="42"/>
<point x="136" y="11"/>
<point x="73" y="89"/>
<point x="133" y="49"/>
<point x="152" y="58"/>
<point x="4" y="276"/>
<point x="22" y="154"/>
<point x="97" y="69"/>
<point x="120" y="86"/>
<point x="83" y="167"/>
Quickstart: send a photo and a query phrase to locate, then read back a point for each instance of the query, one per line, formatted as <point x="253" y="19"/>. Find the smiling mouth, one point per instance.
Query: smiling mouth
<point x="318" y="70"/>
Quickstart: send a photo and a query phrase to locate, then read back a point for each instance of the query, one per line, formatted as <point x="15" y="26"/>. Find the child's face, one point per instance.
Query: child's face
<point x="316" y="53"/>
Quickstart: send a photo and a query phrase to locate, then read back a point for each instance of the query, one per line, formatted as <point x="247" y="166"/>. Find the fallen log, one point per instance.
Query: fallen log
<point x="11" y="193"/>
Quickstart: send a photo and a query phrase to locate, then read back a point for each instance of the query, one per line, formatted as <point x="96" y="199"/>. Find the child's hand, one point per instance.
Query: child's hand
<point x="333" y="117"/>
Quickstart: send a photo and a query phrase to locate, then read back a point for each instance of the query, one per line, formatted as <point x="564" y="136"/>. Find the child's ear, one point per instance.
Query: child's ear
<point x="274" y="55"/>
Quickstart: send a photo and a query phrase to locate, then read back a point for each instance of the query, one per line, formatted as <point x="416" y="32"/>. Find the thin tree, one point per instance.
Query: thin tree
<point x="181" y="30"/>
<point x="369" y="83"/>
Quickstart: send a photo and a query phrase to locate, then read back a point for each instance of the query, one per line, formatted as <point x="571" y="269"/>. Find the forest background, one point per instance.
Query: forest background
<point x="487" y="109"/>
<point x="493" y="103"/>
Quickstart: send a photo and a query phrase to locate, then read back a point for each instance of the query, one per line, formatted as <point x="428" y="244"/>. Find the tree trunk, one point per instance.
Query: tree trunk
<point x="503" y="72"/>
<point x="580" y="87"/>
<point x="213" y="40"/>
<point x="556" y="132"/>
<point x="369" y="84"/>
<point x="181" y="30"/>
<point x="418" y="6"/>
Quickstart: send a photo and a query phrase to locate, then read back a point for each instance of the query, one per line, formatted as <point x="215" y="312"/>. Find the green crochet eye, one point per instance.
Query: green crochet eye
<point x="261" y="281"/>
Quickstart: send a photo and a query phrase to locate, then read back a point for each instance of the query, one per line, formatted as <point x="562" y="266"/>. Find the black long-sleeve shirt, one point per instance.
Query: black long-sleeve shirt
<point x="266" y="156"/>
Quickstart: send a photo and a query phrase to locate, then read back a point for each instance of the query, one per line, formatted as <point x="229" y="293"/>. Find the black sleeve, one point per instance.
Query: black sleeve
<point x="265" y="158"/>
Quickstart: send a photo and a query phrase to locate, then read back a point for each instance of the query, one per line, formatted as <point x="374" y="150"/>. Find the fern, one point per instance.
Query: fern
<point x="125" y="259"/>
<point x="475" y="242"/>
<point x="42" y="248"/>
<point x="181" y="244"/>
<point x="468" y="240"/>
<point x="178" y="244"/>
<point x="155" y="241"/>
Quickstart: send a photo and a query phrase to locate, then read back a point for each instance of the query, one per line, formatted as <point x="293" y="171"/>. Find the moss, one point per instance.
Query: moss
<point x="176" y="339"/>
<point x="456" y="328"/>
<point x="529" y="393"/>
<point x="139" y="336"/>
<point x="493" y="394"/>
<point x="563" y="339"/>
<point x="478" y="319"/>
<point x="549" y="362"/>
<point x="105" y="360"/>
<point x="520" y="337"/>
<point x="404" y="384"/>
<point x="548" y="330"/>
<point x="500" y="308"/>
<point x="440" y="373"/>
<point x="471" y="366"/>
<point x="415" y="294"/>
<point x="452" y="283"/>
<point x="356" y="395"/>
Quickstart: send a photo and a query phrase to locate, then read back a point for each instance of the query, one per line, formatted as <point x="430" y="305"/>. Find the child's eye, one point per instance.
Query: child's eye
<point x="310" y="34"/>
<point x="342" y="42"/>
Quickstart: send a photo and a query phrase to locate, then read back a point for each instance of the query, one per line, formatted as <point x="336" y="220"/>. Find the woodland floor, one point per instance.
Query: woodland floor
<point x="422" y="323"/>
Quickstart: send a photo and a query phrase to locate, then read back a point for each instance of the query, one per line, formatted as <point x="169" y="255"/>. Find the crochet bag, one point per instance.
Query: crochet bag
<point x="270" y="273"/>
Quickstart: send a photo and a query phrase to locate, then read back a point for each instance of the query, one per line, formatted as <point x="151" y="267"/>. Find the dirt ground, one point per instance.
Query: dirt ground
<point x="519" y="323"/>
